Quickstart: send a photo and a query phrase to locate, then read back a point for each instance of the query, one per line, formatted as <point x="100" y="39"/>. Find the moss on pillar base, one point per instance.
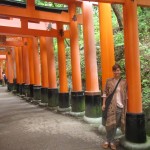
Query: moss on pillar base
<point x="10" y="86"/>
<point x="14" y="84"/>
<point x="31" y="90"/>
<point x="64" y="100"/>
<point x="36" y="92"/>
<point x="92" y="105"/>
<point x="77" y="101"/>
<point x="20" y="89"/>
<point x="27" y="90"/>
<point x="17" y="86"/>
<point x="23" y="88"/>
<point x="53" y="97"/>
<point x="44" y="95"/>
<point x="135" y="128"/>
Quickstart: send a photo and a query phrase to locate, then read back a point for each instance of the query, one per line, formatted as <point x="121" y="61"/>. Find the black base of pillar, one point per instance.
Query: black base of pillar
<point x="23" y="89"/>
<point x="64" y="100"/>
<point x="135" y="128"/>
<point x="17" y="87"/>
<point x="20" y="89"/>
<point x="92" y="105"/>
<point x="44" y="95"/>
<point x="52" y="97"/>
<point x="77" y="101"/>
<point x="10" y="86"/>
<point x="31" y="90"/>
<point x="36" y="92"/>
<point x="27" y="90"/>
<point x="0" y="81"/>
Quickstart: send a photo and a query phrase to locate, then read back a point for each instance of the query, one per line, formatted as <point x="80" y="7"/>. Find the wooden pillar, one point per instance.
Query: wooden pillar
<point x="107" y="43"/>
<point x="63" y="91"/>
<point x="31" y="65"/>
<point x="26" y="68"/>
<point x="17" y="68"/>
<point x="92" y="94"/>
<point x="77" y="95"/>
<point x="21" y="72"/>
<point x="52" y="88"/>
<point x="37" y="71"/>
<point x="44" y="71"/>
<point x="10" y="71"/>
<point x="135" y="122"/>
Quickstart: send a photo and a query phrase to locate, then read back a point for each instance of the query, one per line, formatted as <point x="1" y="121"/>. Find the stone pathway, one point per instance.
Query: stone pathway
<point x="24" y="126"/>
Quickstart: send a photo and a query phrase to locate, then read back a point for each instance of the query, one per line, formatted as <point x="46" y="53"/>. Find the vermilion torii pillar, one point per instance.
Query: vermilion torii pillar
<point x="21" y="73"/>
<point x="37" y="71"/>
<point x="14" y="68"/>
<point x="135" y="122"/>
<point x="52" y="87"/>
<point x="44" y="71"/>
<point x="64" y="104"/>
<point x="31" y="64"/>
<point x="10" y="70"/>
<point x="17" y="68"/>
<point x="26" y="68"/>
<point x="77" y="95"/>
<point x="107" y="43"/>
<point x="92" y="93"/>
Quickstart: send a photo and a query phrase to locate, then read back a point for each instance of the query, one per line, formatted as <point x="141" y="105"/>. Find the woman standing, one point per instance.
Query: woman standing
<point x="116" y="111"/>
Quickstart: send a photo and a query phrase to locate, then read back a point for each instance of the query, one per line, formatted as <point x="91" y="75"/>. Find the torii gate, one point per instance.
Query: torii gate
<point x="135" y="131"/>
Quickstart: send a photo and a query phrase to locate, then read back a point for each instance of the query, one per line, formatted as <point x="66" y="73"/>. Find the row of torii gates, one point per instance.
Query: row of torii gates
<point x="35" y="76"/>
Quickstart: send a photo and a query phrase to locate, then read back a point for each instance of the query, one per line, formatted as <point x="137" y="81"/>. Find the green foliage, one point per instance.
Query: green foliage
<point x="119" y="39"/>
<point x="145" y="73"/>
<point x="144" y="23"/>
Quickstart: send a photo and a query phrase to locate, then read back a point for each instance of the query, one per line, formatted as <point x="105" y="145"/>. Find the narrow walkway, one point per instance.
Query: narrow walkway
<point x="24" y="126"/>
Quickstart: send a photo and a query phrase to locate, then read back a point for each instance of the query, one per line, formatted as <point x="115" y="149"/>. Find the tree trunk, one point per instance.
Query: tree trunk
<point x="118" y="15"/>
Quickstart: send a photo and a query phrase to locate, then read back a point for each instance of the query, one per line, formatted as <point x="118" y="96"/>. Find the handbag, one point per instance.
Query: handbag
<point x="108" y="101"/>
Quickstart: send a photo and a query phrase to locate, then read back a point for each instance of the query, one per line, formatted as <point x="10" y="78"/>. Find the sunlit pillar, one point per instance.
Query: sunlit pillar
<point x="64" y="103"/>
<point x="92" y="93"/>
<point x="135" y="120"/>
<point x="52" y="87"/>
<point x="106" y="42"/>
<point x="37" y="71"/>
<point x="44" y="71"/>
<point x="77" y="95"/>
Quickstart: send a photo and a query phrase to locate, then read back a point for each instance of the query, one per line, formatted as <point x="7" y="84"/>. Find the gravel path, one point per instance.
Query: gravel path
<point x="24" y="126"/>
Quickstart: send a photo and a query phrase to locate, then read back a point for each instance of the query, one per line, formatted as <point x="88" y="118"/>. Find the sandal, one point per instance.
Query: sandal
<point x="112" y="146"/>
<point x="105" y="145"/>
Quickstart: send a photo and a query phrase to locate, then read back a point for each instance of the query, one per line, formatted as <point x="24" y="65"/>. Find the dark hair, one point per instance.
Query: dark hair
<point x="115" y="67"/>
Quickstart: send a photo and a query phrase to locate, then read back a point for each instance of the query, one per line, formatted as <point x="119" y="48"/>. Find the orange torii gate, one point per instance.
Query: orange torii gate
<point x="135" y="131"/>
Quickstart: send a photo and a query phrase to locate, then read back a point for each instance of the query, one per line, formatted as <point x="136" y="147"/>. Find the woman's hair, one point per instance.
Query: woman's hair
<point x="115" y="67"/>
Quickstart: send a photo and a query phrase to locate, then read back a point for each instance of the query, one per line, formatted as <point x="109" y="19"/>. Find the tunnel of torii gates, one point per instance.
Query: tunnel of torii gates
<point x="34" y="75"/>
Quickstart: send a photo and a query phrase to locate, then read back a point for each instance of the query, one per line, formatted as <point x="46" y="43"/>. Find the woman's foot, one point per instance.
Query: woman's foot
<point x="105" y="145"/>
<point x="112" y="146"/>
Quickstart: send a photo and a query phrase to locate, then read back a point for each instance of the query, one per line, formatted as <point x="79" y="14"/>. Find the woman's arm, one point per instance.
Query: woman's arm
<point x="104" y="96"/>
